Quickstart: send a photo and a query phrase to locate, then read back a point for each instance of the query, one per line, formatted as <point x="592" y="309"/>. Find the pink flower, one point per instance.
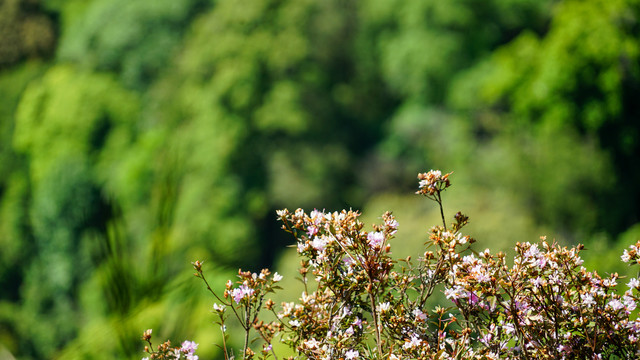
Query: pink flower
<point x="615" y="305"/>
<point x="375" y="239"/>
<point x="189" y="348"/>
<point x="473" y="298"/>
<point x="357" y="322"/>
<point x="392" y="224"/>
<point x="241" y="292"/>
<point x="312" y="230"/>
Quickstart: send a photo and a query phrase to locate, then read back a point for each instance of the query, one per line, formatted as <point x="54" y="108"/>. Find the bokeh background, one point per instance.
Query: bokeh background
<point x="138" y="136"/>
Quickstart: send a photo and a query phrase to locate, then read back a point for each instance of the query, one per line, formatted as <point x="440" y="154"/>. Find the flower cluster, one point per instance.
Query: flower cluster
<point x="359" y="302"/>
<point x="632" y="256"/>
<point x="351" y="270"/>
<point x="432" y="182"/>
<point x="164" y="351"/>
<point x="245" y="299"/>
<point x="547" y="301"/>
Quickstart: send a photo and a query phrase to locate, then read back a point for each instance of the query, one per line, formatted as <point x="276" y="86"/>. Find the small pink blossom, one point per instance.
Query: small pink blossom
<point x="189" y="348"/>
<point x="312" y="230"/>
<point x="357" y="322"/>
<point x="392" y="224"/>
<point x="375" y="239"/>
<point x="239" y="293"/>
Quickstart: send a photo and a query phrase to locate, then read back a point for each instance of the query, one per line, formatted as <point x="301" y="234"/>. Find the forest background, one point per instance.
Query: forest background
<point x="138" y="136"/>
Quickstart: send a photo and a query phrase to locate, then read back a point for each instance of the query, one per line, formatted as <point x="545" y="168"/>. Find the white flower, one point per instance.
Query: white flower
<point x="312" y="344"/>
<point x="351" y="354"/>
<point x="615" y="305"/>
<point x="319" y="243"/>
<point x="629" y="303"/>
<point x="538" y="282"/>
<point x="277" y="277"/>
<point x="306" y="298"/>
<point x="302" y="247"/>
<point x="633" y="283"/>
<point x="419" y="315"/>
<point x="385" y="306"/>
<point x="455" y="293"/>
<point x="412" y="343"/>
<point x="532" y="252"/>
<point x="218" y="307"/>
<point x="509" y="328"/>
<point x="294" y="323"/>
<point x="392" y="223"/>
<point x="587" y="299"/>
<point x="479" y="274"/>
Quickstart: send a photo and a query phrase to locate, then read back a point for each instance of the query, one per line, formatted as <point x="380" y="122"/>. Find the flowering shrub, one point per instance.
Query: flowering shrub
<point x="165" y="351"/>
<point x="359" y="302"/>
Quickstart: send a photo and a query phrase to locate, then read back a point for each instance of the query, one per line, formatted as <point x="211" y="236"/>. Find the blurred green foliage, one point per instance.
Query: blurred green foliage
<point x="26" y="31"/>
<point x="162" y="132"/>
